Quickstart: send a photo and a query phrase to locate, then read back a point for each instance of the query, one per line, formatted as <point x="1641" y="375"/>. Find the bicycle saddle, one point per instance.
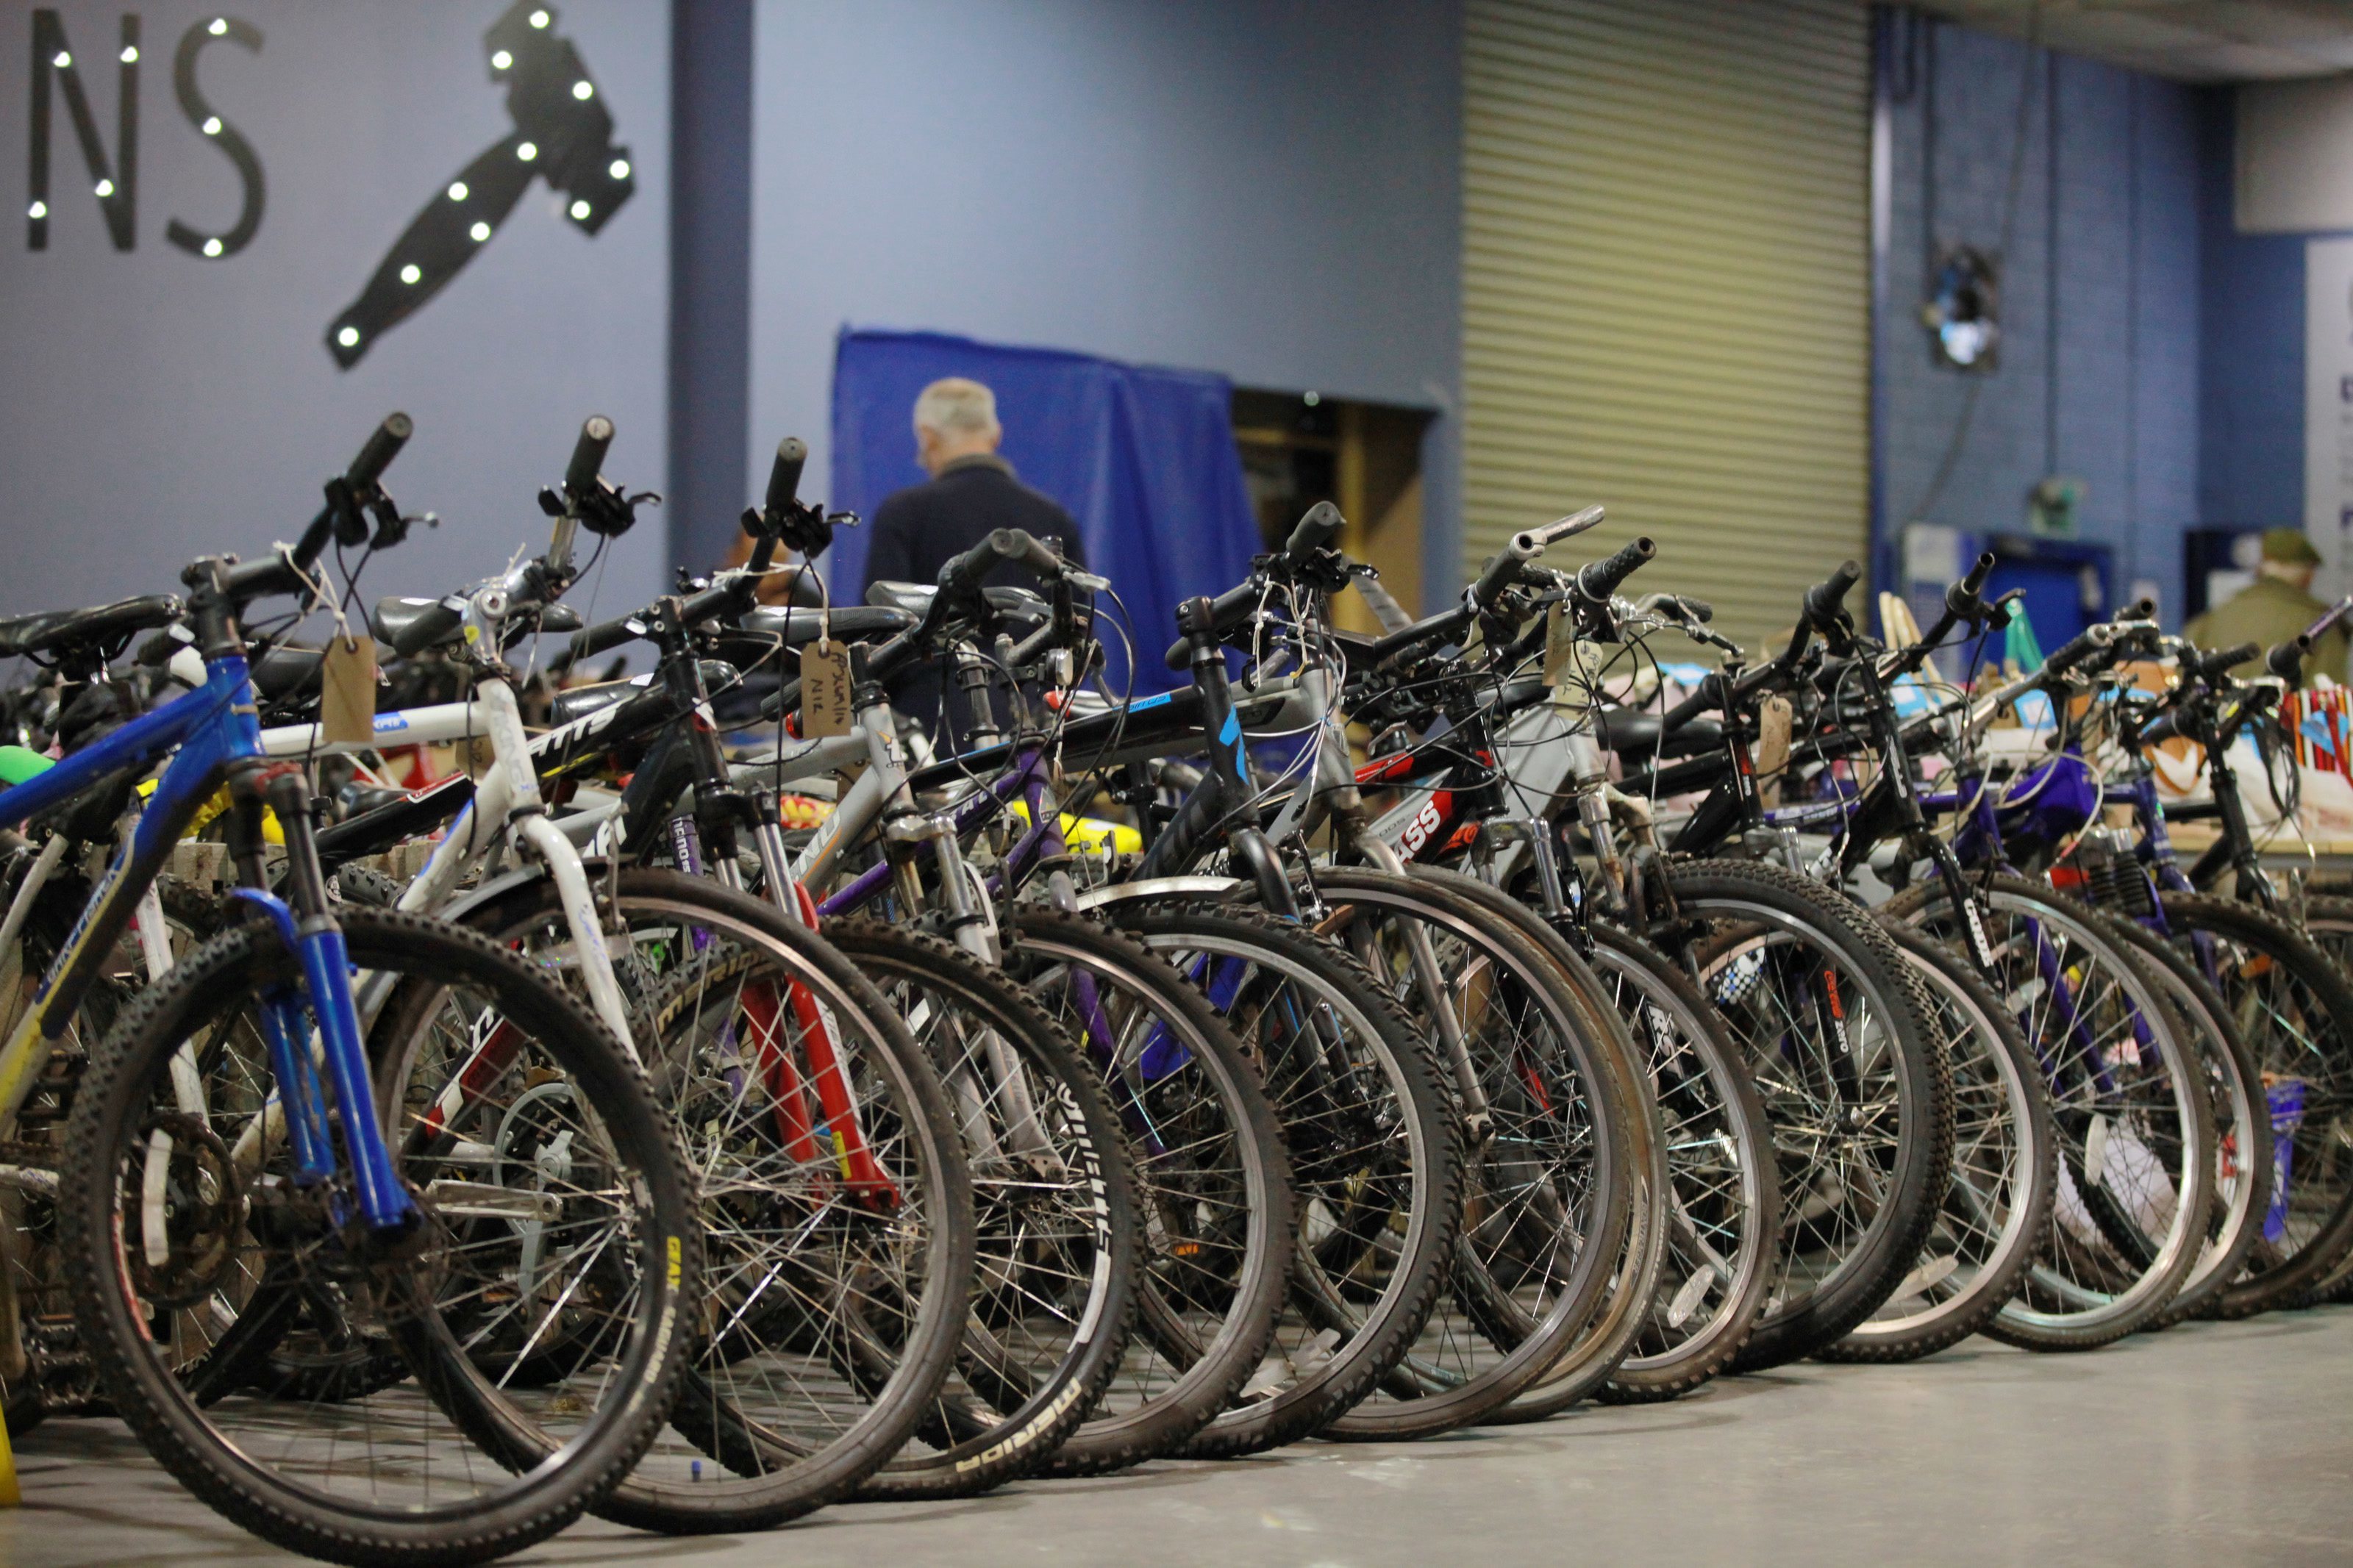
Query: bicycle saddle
<point x="283" y="671"/>
<point x="579" y="701"/>
<point x="392" y="618"/>
<point x="1635" y="736"/>
<point x="100" y="622"/>
<point x="1019" y="605"/>
<point x="799" y="623"/>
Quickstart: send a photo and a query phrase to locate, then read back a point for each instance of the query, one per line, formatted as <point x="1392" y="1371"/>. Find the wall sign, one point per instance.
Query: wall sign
<point x="114" y="178"/>
<point x="562" y="132"/>
<point x="2328" y="408"/>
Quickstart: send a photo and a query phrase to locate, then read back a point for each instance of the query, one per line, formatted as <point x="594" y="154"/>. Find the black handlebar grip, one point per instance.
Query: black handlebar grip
<point x="2212" y="665"/>
<point x="1699" y="610"/>
<point x="587" y="455"/>
<point x="2286" y="660"/>
<point x="785" y="474"/>
<point x="1600" y="579"/>
<point x="1965" y="600"/>
<point x="1974" y="583"/>
<point x="962" y="574"/>
<point x="1025" y="549"/>
<point x="382" y="447"/>
<point x="2070" y="654"/>
<point x="2138" y="610"/>
<point x="1319" y="528"/>
<point x="428" y="630"/>
<point x="1503" y="569"/>
<point x="604" y="636"/>
<point x="1824" y="600"/>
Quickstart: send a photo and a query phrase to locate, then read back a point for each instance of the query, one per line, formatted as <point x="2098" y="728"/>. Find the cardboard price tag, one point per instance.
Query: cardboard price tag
<point x="347" y="678"/>
<point x="825" y="689"/>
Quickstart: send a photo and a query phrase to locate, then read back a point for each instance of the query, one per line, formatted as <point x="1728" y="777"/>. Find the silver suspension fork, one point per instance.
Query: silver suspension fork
<point x="525" y="815"/>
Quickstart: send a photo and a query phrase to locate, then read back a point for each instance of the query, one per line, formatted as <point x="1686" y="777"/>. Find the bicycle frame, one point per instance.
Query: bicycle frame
<point x="214" y="729"/>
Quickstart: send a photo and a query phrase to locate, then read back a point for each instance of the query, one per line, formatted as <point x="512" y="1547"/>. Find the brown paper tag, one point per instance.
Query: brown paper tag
<point x="347" y="682"/>
<point x="1774" y="717"/>
<point x="825" y="689"/>
<point x="1560" y="644"/>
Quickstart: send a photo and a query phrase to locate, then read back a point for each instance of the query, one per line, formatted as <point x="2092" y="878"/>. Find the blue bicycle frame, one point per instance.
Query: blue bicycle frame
<point x="212" y="728"/>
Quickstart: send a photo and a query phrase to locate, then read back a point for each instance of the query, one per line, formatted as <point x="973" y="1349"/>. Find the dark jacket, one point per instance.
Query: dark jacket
<point x="919" y="530"/>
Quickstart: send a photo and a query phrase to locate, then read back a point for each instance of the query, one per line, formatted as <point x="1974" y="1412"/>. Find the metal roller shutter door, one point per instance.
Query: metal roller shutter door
<point x="1666" y="286"/>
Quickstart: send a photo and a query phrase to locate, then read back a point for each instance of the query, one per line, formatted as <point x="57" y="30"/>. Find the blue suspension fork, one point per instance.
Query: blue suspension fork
<point x="310" y="931"/>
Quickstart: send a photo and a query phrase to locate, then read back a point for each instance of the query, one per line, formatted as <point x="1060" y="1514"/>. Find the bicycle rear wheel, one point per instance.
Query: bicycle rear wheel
<point x="586" y="1235"/>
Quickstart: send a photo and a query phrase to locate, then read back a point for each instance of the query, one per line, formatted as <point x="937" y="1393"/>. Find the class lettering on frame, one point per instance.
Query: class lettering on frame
<point x="114" y="177"/>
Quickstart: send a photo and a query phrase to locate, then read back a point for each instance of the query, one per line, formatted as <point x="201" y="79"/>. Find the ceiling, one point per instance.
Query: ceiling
<point x="2189" y="40"/>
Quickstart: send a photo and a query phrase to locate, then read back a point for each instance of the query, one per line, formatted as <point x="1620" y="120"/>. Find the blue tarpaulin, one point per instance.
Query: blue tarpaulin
<point x="1143" y="458"/>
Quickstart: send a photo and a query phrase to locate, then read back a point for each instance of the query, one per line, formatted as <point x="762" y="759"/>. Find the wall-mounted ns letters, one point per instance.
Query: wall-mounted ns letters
<point x="114" y="179"/>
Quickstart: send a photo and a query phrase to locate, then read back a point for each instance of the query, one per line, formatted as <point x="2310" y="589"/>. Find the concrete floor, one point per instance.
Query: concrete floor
<point x="2210" y="1444"/>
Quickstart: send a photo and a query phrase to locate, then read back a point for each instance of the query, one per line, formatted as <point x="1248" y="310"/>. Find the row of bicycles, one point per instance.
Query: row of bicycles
<point x="711" y="1096"/>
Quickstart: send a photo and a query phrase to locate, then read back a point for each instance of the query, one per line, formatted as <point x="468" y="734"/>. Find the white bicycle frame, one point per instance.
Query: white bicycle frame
<point x="506" y="803"/>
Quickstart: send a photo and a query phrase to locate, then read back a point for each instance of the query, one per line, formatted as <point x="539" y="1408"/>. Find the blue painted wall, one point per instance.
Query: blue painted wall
<point x="2101" y="298"/>
<point x="2251" y="396"/>
<point x="1268" y="190"/>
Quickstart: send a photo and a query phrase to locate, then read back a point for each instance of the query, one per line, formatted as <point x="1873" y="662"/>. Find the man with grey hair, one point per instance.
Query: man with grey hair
<point x="972" y="492"/>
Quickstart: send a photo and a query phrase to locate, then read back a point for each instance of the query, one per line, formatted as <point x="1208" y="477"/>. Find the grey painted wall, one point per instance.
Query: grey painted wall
<point x="1269" y="190"/>
<point x="154" y="405"/>
<point x="2100" y="356"/>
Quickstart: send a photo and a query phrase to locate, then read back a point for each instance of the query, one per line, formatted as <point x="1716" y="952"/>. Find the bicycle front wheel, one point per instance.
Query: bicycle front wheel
<point x="1832" y="1025"/>
<point x="1376" y="1161"/>
<point x="192" y="1241"/>
<point x="837" y="1200"/>
<point x="2137" y="1142"/>
<point x="1990" y="1228"/>
<point x="2294" y="1009"/>
<point x="1548" y="1189"/>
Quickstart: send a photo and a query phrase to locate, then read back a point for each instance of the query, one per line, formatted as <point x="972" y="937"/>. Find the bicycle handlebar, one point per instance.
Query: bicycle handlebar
<point x="604" y="635"/>
<point x="382" y="447"/>
<point x="1318" y="528"/>
<point x="1598" y="580"/>
<point x="2286" y="659"/>
<point x="1826" y="601"/>
<point x="2213" y="665"/>
<point x="783" y="491"/>
<point x="587" y="456"/>
<point x="1534" y="540"/>
<point x="784" y="473"/>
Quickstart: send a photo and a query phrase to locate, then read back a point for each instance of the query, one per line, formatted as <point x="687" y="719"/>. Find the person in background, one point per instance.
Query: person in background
<point x="2274" y="607"/>
<point x="972" y="492"/>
